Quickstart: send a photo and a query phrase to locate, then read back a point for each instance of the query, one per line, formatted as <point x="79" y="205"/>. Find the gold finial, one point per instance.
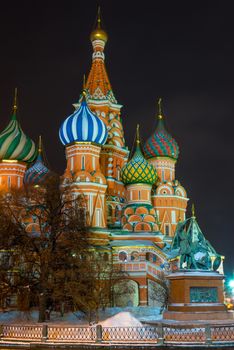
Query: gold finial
<point x="84" y="84"/>
<point x="138" y="134"/>
<point x="98" y="33"/>
<point x="160" y="108"/>
<point x="99" y="17"/>
<point x="193" y="211"/>
<point x="40" y="145"/>
<point x="15" y="102"/>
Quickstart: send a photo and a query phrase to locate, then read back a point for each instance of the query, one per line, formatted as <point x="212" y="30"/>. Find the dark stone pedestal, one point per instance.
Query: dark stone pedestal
<point x="196" y="295"/>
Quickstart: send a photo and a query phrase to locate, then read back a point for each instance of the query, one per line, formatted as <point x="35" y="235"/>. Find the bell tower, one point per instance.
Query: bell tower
<point x="101" y="100"/>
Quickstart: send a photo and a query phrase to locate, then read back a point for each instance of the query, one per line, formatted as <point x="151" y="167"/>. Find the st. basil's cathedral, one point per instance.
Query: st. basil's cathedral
<point x="133" y="204"/>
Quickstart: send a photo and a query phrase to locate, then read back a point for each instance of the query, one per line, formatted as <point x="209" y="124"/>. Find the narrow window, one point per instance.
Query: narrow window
<point x="18" y="181"/>
<point x="173" y="217"/>
<point x="118" y="174"/>
<point x="98" y="217"/>
<point x="9" y="182"/>
<point x="167" y="229"/>
<point x="72" y="163"/>
<point x="83" y="163"/>
<point x="139" y="194"/>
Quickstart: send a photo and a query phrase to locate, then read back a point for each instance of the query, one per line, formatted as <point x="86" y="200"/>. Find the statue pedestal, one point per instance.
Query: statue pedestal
<point x="196" y="295"/>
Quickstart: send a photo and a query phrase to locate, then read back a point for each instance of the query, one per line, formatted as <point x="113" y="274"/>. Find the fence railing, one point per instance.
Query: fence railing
<point x="158" y="335"/>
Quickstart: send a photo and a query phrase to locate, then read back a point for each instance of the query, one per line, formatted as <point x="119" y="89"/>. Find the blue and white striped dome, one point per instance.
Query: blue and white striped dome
<point x="83" y="126"/>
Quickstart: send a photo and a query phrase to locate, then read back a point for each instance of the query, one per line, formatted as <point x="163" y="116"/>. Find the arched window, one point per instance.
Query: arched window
<point x="123" y="256"/>
<point x="134" y="256"/>
<point x="151" y="257"/>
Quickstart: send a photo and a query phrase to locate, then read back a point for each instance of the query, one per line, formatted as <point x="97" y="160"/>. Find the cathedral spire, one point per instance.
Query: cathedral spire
<point x="15" y="104"/>
<point x="40" y="145"/>
<point x="138" y="135"/>
<point x="193" y="211"/>
<point x="160" y="116"/>
<point x="98" y="85"/>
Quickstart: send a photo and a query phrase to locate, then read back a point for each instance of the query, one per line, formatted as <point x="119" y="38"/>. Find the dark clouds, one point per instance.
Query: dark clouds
<point x="181" y="51"/>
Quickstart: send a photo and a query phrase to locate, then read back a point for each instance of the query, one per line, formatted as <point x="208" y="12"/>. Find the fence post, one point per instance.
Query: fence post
<point x="208" y="334"/>
<point x="98" y="333"/>
<point x="160" y="334"/>
<point x="44" y="332"/>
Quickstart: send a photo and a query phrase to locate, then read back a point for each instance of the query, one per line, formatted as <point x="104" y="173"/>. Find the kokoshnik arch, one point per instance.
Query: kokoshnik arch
<point x="132" y="205"/>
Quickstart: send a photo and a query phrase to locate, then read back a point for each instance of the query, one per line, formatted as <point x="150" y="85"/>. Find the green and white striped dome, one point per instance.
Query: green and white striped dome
<point x="14" y="144"/>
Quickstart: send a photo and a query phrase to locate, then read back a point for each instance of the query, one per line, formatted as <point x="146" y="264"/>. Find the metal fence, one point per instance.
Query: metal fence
<point x="161" y="334"/>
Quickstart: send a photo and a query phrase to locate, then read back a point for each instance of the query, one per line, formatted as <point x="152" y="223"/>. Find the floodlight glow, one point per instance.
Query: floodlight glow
<point x="231" y="283"/>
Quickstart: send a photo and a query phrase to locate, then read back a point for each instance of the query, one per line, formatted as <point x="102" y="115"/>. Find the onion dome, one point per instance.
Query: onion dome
<point x="14" y="144"/>
<point x="138" y="170"/>
<point x="83" y="126"/>
<point x="161" y="143"/>
<point x="99" y="33"/>
<point x="38" y="172"/>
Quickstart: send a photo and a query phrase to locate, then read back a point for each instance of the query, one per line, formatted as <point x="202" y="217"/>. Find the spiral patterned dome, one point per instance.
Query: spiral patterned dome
<point x="37" y="173"/>
<point x="83" y="126"/>
<point x="14" y="144"/>
<point x="161" y="143"/>
<point x="138" y="170"/>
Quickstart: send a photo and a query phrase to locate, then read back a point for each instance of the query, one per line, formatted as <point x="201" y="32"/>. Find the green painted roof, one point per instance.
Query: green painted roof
<point x="138" y="170"/>
<point x="15" y="145"/>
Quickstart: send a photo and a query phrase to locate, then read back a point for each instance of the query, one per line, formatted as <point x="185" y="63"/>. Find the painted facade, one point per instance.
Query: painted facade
<point x="132" y="205"/>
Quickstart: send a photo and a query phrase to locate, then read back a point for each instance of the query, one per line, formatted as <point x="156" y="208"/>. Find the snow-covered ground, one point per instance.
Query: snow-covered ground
<point x="110" y="317"/>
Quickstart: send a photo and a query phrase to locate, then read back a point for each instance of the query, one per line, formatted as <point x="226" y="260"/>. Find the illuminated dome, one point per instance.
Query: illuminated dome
<point x="99" y="34"/>
<point x="38" y="172"/>
<point x="161" y="143"/>
<point x="83" y="126"/>
<point x="14" y="144"/>
<point x="138" y="170"/>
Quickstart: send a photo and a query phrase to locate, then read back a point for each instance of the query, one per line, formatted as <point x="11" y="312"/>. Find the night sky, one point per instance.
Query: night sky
<point x="180" y="51"/>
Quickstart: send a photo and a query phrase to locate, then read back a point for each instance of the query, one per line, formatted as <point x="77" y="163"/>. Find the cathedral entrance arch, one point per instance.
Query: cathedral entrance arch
<point x="156" y="294"/>
<point x="126" y="293"/>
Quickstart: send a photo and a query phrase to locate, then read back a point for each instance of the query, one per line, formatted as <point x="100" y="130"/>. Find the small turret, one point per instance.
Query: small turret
<point x="38" y="172"/>
<point x="161" y="143"/>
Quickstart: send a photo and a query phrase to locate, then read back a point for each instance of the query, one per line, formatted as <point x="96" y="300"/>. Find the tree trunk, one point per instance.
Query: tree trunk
<point x="42" y="307"/>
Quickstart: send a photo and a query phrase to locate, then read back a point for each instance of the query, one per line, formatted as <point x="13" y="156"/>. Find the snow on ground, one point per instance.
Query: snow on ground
<point x="110" y="317"/>
<point x="122" y="319"/>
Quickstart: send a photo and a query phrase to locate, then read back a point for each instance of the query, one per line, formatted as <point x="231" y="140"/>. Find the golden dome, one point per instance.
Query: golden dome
<point x="99" y="33"/>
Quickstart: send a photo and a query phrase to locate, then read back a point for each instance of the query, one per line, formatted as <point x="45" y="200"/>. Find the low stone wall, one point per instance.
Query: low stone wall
<point x="158" y="335"/>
